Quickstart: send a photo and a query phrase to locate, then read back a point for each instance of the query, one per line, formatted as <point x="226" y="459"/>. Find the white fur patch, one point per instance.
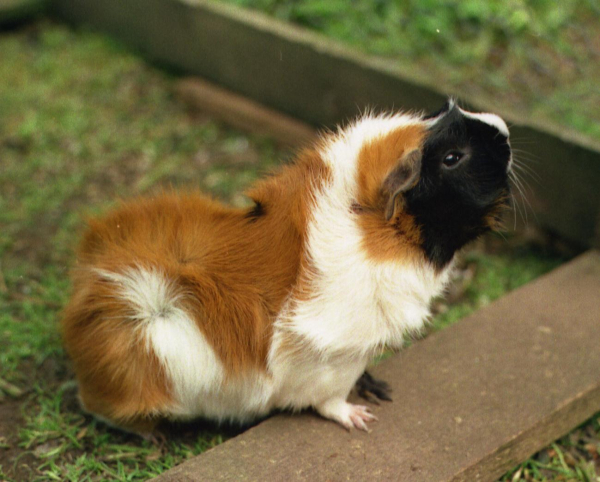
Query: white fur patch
<point x="147" y="290"/>
<point x="357" y="305"/>
<point x="194" y="370"/>
<point x="342" y="152"/>
<point x="490" y="119"/>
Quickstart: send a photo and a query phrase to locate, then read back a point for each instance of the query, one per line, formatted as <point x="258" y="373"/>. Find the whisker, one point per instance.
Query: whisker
<point x="526" y="153"/>
<point x="518" y="149"/>
<point x="523" y="159"/>
<point x="526" y="171"/>
<point x="518" y="211"/>
<point x="525" y="188"/>
<point x="522" y="140"/>
<point x="522" y="188"/>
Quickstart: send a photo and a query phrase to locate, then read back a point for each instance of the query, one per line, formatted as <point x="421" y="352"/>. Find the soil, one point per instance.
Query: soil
<point x="14" y="460"/>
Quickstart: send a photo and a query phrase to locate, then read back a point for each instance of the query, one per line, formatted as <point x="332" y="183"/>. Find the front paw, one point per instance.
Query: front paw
<point x="347" y="414"/>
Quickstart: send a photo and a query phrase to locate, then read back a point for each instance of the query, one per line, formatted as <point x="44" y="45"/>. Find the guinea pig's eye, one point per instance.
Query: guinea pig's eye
<point x="452" y="158"/>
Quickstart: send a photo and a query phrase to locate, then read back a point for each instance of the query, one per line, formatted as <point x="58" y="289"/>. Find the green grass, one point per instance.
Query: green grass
<point x="538" y="58"/>
<point x="84" y="122"/>
<point x="572" y="458"/>
<point x="69" y="447"/>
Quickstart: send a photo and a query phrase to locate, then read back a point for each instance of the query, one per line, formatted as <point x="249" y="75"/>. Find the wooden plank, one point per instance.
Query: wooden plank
<point x="15" y="11"/>
<point x="310" y="77"/>
<point x="470" y="402"/>
<point x="243" y="113"/>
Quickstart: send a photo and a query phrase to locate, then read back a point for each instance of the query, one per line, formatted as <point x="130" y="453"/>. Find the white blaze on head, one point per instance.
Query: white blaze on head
<point x="490" y="119"/>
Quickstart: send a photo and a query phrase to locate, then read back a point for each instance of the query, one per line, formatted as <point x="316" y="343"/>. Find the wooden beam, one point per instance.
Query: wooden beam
<point x="470" y="402"/>
<point x="15" y="11"/>
<point x="243" y="113"/>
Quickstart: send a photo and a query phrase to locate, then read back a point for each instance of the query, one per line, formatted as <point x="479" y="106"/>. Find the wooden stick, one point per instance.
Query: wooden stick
<point x="243" y="113"/>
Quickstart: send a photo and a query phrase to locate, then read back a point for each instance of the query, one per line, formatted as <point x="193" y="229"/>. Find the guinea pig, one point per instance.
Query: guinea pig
<point x="183" y="307"/>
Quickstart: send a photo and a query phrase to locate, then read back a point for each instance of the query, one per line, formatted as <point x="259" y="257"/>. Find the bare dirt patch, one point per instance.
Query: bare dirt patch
<point x="14" y="462"/>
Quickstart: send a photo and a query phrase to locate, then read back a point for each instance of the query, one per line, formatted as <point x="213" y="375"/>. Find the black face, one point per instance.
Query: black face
<point x="463" y="185"/>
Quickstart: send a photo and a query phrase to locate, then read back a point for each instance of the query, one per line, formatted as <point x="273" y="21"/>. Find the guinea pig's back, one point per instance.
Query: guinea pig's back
<point x="165" y="307"/>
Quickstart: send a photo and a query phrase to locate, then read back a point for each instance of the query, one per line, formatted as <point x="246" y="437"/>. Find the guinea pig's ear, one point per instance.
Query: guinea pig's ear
<point x="404" y="176"/>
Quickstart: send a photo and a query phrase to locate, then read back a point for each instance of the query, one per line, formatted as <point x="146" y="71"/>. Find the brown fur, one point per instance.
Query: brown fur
<point x="119" y="378"/>
<point x="399" y="238"/>
<point x="234" y="268"/>
<point x="495" y="218"/>
<point x="380" y="156"/>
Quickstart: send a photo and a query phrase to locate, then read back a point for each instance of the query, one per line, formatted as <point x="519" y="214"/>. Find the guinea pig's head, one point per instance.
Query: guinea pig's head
<point x="463" y="185"/>
<point x="449" y="181"/>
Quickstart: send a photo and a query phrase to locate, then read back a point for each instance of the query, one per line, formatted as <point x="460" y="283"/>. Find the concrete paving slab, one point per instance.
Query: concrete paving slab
<point x="470" y="402"/>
